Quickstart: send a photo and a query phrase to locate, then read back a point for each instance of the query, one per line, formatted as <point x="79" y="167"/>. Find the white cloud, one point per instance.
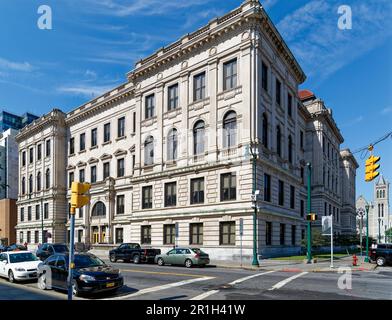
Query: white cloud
<point x="386" y="111"/>
<point x="353" y="121"/>
<point x="15" y="66"/>
<point x="87" y="91"/>
<point x="267" y="4"/>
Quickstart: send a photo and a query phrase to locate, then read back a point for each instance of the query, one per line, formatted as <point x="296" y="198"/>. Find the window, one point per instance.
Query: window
<point x="39" y="152"/>
<point x="278" y="92"/>
<point x="279" y="141"/>
<point x="264" y="76"/>
<point x="71" y="146"/>
<point x="325" y="209"/>
<point x="31" y="155"/>
<point x="146" y="235"/>
<point x="47" y="179"/>
<point x="37" y="212"/>
<point x="121" y="127"/>
<point x="293" y="235"/>
<point x="172" y="97"/>
<point x="230" y="74"/>
<point x="94" y="138"/>
<point x="228" y="187"/>
<point x="199" y="86"/>
<point x="149" y="151"/>
<point x="196" y="233"/>
<point x="106" y="170"/>
<point x="301" y="140"/>
<point x="31" y="184"/>
<point x="134" y="122"/>
<point x="46" y="211"/>
<point x="28" y="240"/>
<point x="71" y="178"/>
<point x="119" y="235"/>
<point x="170" y="194"/>
<point x="172" y="144"/>
<point x="302" y="175"/>
<point x="99" y="210"/>
<point x="150" y="106"/>
<point x="120" y="204"/>
<point x="21" y="237"/>
<point x="229" y="129"/>
<point x="47" y="148"/>
<point x="267" y="187"/>
<point x="227" y="233"/>
<point x="302" y="208"/>
<point x="133" y="163"/>
<point x="21" y="214"/>
<point x="268" y="233"/>
<point x="80" y="235"/>
<point x="29" y="214"/>
<point x="36" y="236"/>
<point x="93" y="174"/>
<point x="265" y="130"/>
<point x="169" y="234"/>
<point x="290" y="105"/>
<point x="23" y="158"/>
<point x="81" y="212"/>
<point x="23" y="185"/>
<point x="39" y="181"/>
<point x="106" y="132"/>
<point x="290" y="149"/>
<point x="147" y="197"/>
<point x="282" y="234"/>
<point x="292" y="197"/>
<point x="81" y="175"/>
<point x="82" y="144"/>
<point x="197" y="191"/>
<point x="281" y="193"/>
<point x="120" y="168"/>
<point x="198" y="138"/>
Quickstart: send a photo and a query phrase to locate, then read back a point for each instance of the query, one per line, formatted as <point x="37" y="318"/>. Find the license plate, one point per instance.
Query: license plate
<point x="110" y="285"/>
<point x="33" y="275"/>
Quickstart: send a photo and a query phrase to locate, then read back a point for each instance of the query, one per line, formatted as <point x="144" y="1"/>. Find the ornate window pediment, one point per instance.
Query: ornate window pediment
<point x="92" y="160"/>
<point x="132" y="149"/>
<point x="71" y="167"/>
<point x="106" y="156"/>
<point x="81" y="164"/>
<point x="120" y="152"/>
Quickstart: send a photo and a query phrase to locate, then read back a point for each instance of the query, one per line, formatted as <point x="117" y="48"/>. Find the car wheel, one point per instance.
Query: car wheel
<point x="188" y="263"/>
<point x="112" y="258"/>
<point x="380" y="261"/>
<point x="11" y="277"/>
<point x="75" y="289"/>
<point x="42" y="282"/>
<point x="136" y="259"/>
<point x="161" y="262"/>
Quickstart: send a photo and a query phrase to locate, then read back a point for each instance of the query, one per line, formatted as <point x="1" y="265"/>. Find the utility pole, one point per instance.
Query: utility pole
<point x="42" y="221"/>
<point x="309" y="254"/>
<point x="379" y="230"/>
<point x="367" y="233"/>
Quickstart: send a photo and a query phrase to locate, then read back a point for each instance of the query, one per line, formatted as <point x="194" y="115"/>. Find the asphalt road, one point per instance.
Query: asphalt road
<point x="151" y="282"/>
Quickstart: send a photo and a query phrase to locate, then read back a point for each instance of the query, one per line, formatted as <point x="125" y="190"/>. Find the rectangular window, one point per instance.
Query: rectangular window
<point x="290" y="105"/>
<point x="39" y="152"/>
<point x="227" y="233"/>
<point x="147" y="197"/>
<point x="169" y="234"/>
<point x="292" y="197"/>
<point x="133" y="163"/>
<point x="301" y="139"/>
<point x="302" y="175"/>
<point x="93" y="174"/>
<point x="106" y="170"/>
<point x="264" y="76"/>
<point x="71" y="178"/>
<point x="282" y="234"/>
<point x="29" y="214"/>
<point x="106" y="132"/>
<point x="36" y="236"/>
<point x="82" y="145"/>
<point x="196" y="233"/>
<point x="46" y="211"/>
<point x="281" y="193"/>
<point x="293" y="235"/>
<point x="302" y="208"/>
<point x="121" y="127"/>
<point x="230" y="75"/>
<point x="268" y="233"/>
<point x="47" y="149"/>
<point x="120" y="204"/>
<point x="94" y="137"/>
<point x="146" y="235"/>
<point x="197" y="190"/>
<point x="21" y="214"/>
<point x="81" y="213"/>
<point x="150" y="107"/>
<point x="81" y="175"/>
<point x="170" y="194"/>
<point x="23" y="158"/>
<point x="119" y="235"/>
<point x="278" y="92"/>
<point x="134" y="122"/>
<point x="80" y="235"/>
<point x="21" y="237"/>
<point x="228" y="187"/>
<point x="72" y="146"/>
<point x="120" y="168"/>
<point x="37" y="212"/>
<point x="28" y="240"/>
<point x="172" y="97"/>
<point x="199" y="86"/>
<point x="31" y="155"/>
<point x="267" y="187"/>
<point x="325" y="209"/>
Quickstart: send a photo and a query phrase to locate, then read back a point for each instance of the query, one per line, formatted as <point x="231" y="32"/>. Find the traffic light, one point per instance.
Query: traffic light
<point x="78" y="197"/>
<point x="371" y="167"/>
<point x="311" y="217"/>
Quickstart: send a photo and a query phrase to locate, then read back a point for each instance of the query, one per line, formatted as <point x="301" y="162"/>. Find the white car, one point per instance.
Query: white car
<point x="18" y="265"/>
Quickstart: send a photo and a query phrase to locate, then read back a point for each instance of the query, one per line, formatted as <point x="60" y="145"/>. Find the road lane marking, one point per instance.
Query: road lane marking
<point x="282" y="283"/>
<point x="165" y="273"/>
<point x="160" y="288"/>
<point x="212" y="292"/>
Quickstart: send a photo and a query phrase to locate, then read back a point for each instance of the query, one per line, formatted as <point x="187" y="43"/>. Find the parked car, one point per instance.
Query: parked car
<point x="90" y="275"/>
<point x="48" y="249"/>
<point x="3" y="248"/>
<point x="187" y="257"/>
<point x="133" y="252"/>
<point x="16" y="247"/>
<point x="381" y="254"/>
<point x="18" y="265"/>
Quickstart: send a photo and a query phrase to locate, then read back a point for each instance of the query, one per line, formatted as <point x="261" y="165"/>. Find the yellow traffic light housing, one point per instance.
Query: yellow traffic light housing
<point x="311" y="217"/>
<point x="78" y="197"/>
<point x="371" y="167"/>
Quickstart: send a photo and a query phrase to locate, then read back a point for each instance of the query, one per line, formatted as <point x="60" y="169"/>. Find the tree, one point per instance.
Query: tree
<point x="388" y="235"/>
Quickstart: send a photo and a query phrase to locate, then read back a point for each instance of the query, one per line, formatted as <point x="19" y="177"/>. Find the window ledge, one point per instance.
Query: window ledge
<point x="94" y="147"/>
<point x="82" y="151"/>
<point x="106" y="143"/>
<point x="121" y="138"/>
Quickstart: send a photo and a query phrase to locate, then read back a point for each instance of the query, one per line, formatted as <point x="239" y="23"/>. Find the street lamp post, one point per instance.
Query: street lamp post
<point x="42" y="221"/>
<point x="309" y="253"/>
<point x="254" y="152"/>
<point x="379" y="230"/>
<point x="367" y="233"/>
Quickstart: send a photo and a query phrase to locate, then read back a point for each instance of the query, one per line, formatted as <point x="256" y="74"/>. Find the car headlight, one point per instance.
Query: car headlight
<point x="85" y="277"/>
<point x="20" y="269"/>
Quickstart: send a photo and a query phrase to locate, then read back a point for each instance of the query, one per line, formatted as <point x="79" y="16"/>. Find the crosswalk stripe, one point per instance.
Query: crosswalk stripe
<point x="286" y="281"/>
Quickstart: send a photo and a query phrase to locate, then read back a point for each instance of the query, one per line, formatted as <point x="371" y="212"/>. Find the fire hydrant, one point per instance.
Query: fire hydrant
<point x="355" y="260"/>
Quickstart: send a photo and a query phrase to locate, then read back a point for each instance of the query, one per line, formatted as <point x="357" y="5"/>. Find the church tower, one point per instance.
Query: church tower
<point x="380" y="220"/>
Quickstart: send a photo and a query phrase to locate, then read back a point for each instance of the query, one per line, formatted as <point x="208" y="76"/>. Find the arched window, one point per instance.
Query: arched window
<point x="379" y="210"/>
<point x="198" y="137"/>
<point x="290" y="149"/>
<point x="23" y="185"/>
<point x="378" y="194"/>
<point x="99" y="210"/>
<point x="383" y="194"/>
<point x="382" y="210"/>
<point x="229" y="129"/>
<point x="39" y="181"/>
<point x="265" y="130"/>
<point x="47" y="179"/>
<point x="31" y="184"/>
<point x="172" y="143"/>
<point x="278" y="141"/>
<point x="149" y="151"/>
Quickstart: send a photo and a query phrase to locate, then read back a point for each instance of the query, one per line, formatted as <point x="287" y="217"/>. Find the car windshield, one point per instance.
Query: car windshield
<point x="22" y="257"/>
<point x="84" y="261"/>
<point x="60" y="248"/>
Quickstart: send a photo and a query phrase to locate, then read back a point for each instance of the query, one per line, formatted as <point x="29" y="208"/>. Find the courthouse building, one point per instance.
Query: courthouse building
<point x="171" y="149"/>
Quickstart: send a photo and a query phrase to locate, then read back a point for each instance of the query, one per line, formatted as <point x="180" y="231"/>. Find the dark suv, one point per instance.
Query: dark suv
<point x="382" y="254"/>
<point x="49" y="249"/>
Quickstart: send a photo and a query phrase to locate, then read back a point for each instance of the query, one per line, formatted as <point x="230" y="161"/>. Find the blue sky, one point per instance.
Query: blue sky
<point x="93" y="44"/>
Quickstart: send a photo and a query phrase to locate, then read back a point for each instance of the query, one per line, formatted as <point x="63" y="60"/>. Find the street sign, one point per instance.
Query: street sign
<point x="326" y="223"/>
<point x="241" y="227"/>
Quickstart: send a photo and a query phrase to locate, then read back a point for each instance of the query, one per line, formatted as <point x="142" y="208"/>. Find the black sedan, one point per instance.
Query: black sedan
<point x="90" y="275"/>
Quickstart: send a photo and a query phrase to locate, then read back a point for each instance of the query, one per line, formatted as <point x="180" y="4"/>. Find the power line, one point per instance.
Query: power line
<point x="365" y="150"/>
